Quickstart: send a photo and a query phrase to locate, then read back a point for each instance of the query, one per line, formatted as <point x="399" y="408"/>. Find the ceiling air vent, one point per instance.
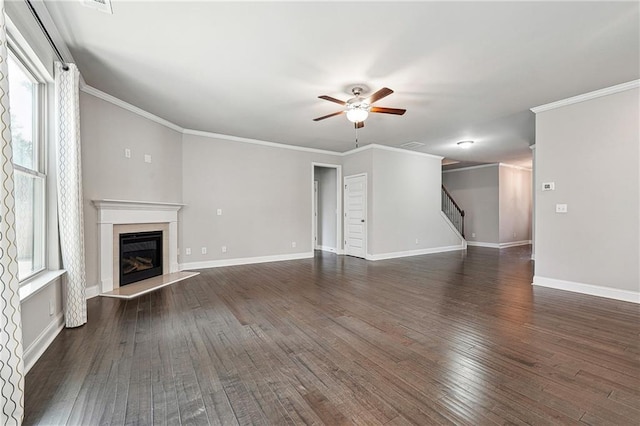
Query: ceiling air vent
<point x="412" y="145"/>
<point x="101" y="5"/>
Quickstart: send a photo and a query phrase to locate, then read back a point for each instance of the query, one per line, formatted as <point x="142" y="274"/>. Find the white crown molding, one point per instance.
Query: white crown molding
<point x="257" y="142"/>
<point x="482" y="166"/>
<point x="43" y="341"/>
<point x="420" y="252"/>
<point x="592" y="290"/>
<point x="139" y="111"/>
<point x="389" y="148"/>
<point x="511" y="166"/>
<point x="244" y="261"/>
<point x="587" y="96"/>
<point x="134" y="109"/>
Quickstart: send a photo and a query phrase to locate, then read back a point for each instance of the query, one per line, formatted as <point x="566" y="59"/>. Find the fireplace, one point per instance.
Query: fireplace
<point x="117" y="217"/>
<point x="140" y="256"/>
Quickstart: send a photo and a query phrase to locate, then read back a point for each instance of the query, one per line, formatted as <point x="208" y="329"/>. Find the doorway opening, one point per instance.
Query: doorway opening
<point x="326" y="199"/>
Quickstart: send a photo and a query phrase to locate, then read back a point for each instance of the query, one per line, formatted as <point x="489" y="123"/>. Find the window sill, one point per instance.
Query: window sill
<point x="37" y="283"/>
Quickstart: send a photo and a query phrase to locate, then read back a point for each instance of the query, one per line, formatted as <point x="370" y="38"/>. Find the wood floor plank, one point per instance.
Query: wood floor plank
<point x="452" y="338"/>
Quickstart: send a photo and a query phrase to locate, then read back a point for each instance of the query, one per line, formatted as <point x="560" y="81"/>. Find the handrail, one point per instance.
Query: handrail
<point x="453" y="211"/>
<point x="452" y="200"/>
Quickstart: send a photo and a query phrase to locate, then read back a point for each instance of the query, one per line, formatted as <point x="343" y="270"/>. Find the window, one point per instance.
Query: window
<point x="26" y="108"/>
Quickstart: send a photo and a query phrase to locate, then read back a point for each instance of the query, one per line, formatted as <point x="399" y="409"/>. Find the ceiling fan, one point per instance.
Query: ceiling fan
<point x="358" y="107"/>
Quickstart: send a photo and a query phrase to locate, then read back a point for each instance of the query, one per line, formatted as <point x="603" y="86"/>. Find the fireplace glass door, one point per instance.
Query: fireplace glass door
<point x="140" y="256"/>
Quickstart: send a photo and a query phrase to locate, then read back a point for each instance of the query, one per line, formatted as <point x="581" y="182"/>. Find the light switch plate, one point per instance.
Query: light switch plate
<point x="147" y="158"/>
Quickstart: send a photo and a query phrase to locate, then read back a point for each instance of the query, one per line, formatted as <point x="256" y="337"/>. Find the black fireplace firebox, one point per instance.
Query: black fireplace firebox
<point x="140" y="256"/>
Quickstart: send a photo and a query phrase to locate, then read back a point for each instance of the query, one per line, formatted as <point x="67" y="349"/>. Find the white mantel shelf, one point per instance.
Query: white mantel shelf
<point x="125" y="212"/>
<point x="136" y="205"/>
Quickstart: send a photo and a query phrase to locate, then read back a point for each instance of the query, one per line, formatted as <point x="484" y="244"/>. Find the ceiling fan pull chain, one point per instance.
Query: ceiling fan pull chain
<point x="356" y="127"/>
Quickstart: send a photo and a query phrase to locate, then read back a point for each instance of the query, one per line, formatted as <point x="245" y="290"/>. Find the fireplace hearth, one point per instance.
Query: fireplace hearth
<point x="140" y="256"/>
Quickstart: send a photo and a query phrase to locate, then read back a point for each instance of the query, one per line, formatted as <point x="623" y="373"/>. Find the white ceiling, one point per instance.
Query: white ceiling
<point x="255" y="70"/>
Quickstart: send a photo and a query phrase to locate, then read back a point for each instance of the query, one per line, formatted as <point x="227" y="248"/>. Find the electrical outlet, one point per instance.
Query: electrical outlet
<point x="417" y="241"/>
<point x="473" y="234"/>
<point x="514" y="235"/>
<point x="204" y="250"/>
<point x="51" y="307"/>
<point x="224" y="249"/>
<point x="127" y="153"/>
<point x="561" y="208"/>
<point x="219" y="212"/>
<point x="187" y="251"/>
<point x="293" y="244"/>
<point x="147" y="158"/>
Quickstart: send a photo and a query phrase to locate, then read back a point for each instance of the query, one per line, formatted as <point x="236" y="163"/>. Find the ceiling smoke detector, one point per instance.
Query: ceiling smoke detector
<point x="101" y="5"/>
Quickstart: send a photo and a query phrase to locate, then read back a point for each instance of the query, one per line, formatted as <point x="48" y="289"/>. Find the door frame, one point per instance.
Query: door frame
<point x="365" y="212"/>
<point x="315" y="214"/>
<point x="339" y="218"/>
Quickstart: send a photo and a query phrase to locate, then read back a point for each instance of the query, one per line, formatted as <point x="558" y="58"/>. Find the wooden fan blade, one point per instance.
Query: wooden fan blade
<point x="396" y="111"/>
<point x="359" y="124"/>
<point x="330" y="99"/>
<point x="327" y="116"/>
<point x="385" y="91"/>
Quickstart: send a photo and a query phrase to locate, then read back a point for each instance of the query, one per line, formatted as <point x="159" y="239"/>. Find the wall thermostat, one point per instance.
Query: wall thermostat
<point x="548" y="186"/>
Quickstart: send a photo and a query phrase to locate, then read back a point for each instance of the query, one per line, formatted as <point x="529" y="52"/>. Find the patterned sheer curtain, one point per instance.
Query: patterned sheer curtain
<point x="11" y="363"/>
<point x="69" y="172"/>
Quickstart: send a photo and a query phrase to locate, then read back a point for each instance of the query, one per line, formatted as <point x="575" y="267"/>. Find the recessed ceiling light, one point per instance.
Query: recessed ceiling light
<point x="465" y="144"/>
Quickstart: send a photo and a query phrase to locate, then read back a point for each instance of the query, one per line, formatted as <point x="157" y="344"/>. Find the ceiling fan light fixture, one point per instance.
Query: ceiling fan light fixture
<point x="465" y="144"/>
<point x="357" y="114"/>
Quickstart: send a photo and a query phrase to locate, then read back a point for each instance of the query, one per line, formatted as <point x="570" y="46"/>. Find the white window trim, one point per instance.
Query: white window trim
<point x="46" y="161"/>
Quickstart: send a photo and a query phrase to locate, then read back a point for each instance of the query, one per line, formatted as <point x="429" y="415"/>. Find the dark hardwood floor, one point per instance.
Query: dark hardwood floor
<point x="452" y="338"/>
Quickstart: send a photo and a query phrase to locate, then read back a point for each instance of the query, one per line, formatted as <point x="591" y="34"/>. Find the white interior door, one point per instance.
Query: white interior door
<point x="355" y="212"/>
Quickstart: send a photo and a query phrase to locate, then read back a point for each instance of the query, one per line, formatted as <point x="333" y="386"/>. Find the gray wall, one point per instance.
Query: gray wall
<point x="515" y="204"/>
<point x="327" y="207"/>
<point x="591" y="151"/>
<point x="406" y="203"/>
<point x="265" y="194"/>
<point x="476" y="191"/>
<point x="106" y="130"/>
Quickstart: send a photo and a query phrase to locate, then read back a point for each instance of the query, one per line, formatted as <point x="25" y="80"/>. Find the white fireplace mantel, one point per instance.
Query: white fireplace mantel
<point x="122" y="212"/>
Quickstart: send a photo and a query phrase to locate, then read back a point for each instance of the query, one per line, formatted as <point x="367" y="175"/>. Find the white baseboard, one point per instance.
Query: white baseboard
<point x="42" y="342"/>
<point x="515" y="243"/>
<point x="590" y="289"/>
<point x="325" y="248"/>
<point x="92" y="291"/>
<point x="419" y="252"/>
<point x="244" y="261"/>
<point x="498" y="245"/>
<point x="483" y="244"/>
